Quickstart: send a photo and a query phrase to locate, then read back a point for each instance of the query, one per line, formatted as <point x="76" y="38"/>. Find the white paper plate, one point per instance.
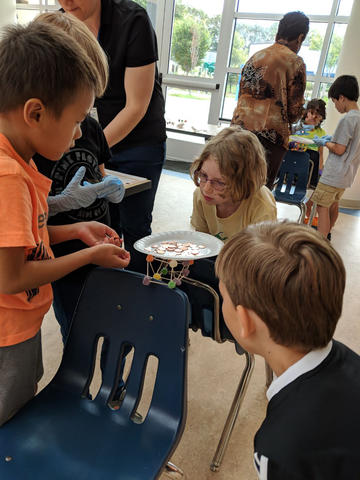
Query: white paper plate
<point x="212" y="244"/>
<point x="300" y="139"/>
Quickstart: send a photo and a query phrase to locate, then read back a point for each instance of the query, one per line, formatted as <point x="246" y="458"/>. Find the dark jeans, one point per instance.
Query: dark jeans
<point x="133" y="216"/>
<point x="203" y="270"/>
<point x="274" y="156"/>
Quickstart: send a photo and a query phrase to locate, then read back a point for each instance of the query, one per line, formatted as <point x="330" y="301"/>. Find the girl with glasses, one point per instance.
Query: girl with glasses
<point x="230" y="175"/>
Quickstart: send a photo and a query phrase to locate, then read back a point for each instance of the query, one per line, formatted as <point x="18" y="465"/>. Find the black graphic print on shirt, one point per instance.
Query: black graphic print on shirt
<point x="37" y="253"/>
<point x="63" y="172"/>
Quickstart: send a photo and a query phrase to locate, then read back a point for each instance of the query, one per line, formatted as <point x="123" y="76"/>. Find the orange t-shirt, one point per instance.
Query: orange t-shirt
<point x="23" y="216"/>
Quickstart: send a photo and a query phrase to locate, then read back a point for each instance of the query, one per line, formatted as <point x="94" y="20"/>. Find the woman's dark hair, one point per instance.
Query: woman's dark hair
<point x="346" y="85"/>
<point x="319" y="106"/>
<point x="292" y="25"/>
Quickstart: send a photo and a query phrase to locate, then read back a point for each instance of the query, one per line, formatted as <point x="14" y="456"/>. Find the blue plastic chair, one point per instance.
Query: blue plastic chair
<point x="64" y="435"/>
<point x="293" y="181"/>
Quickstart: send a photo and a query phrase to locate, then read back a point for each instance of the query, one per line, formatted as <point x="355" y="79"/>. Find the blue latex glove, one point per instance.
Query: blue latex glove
<point x="111" y="188"/>
<point x="114" y="191"/>
<point x="304" y="130"/>
<point x="74" y="196"/>
<point x="320" y="141"/>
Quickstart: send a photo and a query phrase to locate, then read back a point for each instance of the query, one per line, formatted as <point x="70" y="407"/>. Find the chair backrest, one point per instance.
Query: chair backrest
<point x="293" y="178"/>
<point x="115" y="305"/>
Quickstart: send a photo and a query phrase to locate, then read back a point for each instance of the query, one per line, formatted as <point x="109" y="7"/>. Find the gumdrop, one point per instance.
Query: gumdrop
<point x="171" y="284"/>
<point x="186" y="272"/>
<point x="177" y="281"/>
<point x="164" y="271"/>
<point x="146" y="280"/>
<point x="149" y="258"/>
<point x="191" y="262"/>
<point x="157" y="276"/>
<point x="173" y="263"/>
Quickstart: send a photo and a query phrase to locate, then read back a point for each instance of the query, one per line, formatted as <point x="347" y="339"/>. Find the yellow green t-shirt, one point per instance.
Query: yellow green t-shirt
<point x="320" y="132"/>
<point x="260" y="207"/>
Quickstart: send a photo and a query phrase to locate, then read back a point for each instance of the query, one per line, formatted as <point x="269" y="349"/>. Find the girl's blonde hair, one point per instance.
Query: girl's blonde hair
<point x="241" y="160"/>
<point x="85" y="39"/>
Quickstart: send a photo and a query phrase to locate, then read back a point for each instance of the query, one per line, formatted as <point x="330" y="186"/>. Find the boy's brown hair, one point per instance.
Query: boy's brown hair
<point x="85" y="38"/>
<point x="41" y="61"/>
<point x="290" y="276"/>
<point x="241" y="160"/>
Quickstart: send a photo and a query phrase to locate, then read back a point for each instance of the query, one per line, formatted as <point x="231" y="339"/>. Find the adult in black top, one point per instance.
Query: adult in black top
<point x="311" y="429"/>
<point x="132" y="110"/>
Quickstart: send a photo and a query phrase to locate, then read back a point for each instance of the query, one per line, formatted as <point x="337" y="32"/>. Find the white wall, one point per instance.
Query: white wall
<point x="7" y="12"/>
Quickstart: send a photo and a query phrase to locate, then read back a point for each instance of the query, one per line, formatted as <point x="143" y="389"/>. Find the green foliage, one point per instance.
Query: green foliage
<point x="142" y="3"/>
<point x="191" y="42"/>
<point x="316" y="42"/>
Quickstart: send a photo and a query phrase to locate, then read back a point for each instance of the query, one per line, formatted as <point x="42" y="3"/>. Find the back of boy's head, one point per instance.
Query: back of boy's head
<point x="346" y="85"/>
<point x="41" y="61"/>
<point x="241" y="160"/>
<point x="290" y="276"/>
<point x="85" y="38"/>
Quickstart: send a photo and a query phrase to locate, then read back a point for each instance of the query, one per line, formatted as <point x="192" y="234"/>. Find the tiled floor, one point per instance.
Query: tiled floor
<point x="214" y="369"/>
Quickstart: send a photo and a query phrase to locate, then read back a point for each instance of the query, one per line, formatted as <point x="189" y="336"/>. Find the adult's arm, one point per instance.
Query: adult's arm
<point x="139" y="85"/>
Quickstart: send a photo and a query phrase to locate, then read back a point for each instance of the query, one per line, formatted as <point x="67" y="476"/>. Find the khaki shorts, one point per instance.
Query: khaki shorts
<point x="325" y="195"/>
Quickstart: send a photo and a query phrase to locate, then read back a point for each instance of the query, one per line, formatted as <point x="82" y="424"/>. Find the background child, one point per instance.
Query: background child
<point x="41" y="111"/>
<point x="89" y="154"/>
<point x="313" y="116"/>
<point x="230" y="175"/>
<point x="344" y="158"/>
<point x="312" y="421"/>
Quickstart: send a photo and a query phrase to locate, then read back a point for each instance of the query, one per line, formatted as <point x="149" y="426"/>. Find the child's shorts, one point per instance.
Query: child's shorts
<point x="21" y="368"/>
<point x="325" y="195"/>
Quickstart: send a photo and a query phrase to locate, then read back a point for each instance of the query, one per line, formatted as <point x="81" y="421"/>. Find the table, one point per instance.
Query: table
<point x="132" y="183"/>
<point x="207" y="132"/>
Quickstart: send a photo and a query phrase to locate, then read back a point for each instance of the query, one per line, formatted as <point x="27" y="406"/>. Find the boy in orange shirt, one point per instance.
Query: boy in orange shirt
<point x="47" y="87"/>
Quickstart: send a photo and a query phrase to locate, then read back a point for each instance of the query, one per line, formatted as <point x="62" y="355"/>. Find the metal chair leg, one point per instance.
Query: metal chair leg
<point x="312" y="214"/>
<point x="269" y="374"/>
<point x="172" y="472"/>
<point x="233" y="413"/>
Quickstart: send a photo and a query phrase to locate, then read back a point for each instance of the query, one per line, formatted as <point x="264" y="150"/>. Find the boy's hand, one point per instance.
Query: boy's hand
<point x="96" y="233"/>
<point x="110" y="256"/>
<point x="321" y="141"/>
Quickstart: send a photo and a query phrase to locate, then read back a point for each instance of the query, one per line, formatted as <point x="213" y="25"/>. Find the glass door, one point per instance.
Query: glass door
<point x="189" y="61"/>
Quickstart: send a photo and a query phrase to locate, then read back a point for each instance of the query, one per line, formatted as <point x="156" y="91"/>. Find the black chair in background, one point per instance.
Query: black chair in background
<point x="293" y="181"/>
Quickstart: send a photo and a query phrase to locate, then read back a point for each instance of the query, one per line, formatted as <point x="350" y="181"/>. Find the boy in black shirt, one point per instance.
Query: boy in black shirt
<point x="282" y="286"/>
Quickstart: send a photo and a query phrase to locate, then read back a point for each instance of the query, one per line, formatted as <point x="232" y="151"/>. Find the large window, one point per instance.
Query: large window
<point x="26" y="10"/>
<point x="206" y="43"/>
<point x="203" y="45"/>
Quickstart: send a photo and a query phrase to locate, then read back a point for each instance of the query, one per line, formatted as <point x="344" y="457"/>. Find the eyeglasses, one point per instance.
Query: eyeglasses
<point x="216" y="184"/>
